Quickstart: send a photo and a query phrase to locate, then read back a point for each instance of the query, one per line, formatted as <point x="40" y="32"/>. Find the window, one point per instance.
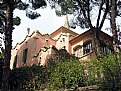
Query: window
<point x="87" y="47"/>
<point x="63" y="39"/>
<point x="106" y="50"/>
<point x="78" y="51"/>
<point x="46" y="40"/>
<point x="25" y="55"/>
<point x="15" y="61"/>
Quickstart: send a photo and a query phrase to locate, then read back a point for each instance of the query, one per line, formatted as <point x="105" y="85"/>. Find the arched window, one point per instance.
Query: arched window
<point x="106" y="49"/>
<point x="78" y="51"/>
<point x="87" y="47"/>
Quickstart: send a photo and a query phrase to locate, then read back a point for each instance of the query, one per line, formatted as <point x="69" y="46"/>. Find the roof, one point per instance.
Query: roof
<point x="30" y="36"/>
<point x="63" y="30"/>
<point x="88" y="31"/>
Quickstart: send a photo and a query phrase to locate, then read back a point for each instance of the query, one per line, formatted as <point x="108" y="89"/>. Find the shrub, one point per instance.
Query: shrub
<point x="65" y="74"/>
<point x="28" y="78"/>
<point x="60" y="55"/>
<point x="109" y="69"/>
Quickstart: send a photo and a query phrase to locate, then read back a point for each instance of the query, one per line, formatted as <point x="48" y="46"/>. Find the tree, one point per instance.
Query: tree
<point x="65" y="74"/>
<point x="82" y="11"/>
<point x="1" y="64"/>
<point x="113" y="25"/>
<point x="58" y="56"/>
<point x="6" y="19"/>
<point x="115" y="39"/>
<point x="85" y="11"/>
<point x="106" y="71"/>
<point x="26" y="78"/>
<point x="8" y="44"/>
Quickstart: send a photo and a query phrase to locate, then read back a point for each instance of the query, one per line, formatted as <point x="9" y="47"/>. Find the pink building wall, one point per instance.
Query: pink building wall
<point x="40" y="46"/>
<point x="34" y="43"/>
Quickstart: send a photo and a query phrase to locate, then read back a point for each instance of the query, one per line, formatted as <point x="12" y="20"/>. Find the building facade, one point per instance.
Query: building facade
<point x="37" y="48"/>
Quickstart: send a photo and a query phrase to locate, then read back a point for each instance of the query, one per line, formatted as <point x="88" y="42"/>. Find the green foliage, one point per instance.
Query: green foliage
<point x="37" y="3"/>
<point x="60" y="55"/>
<point x="85" y="11"/>
<point x="3" y="19"/>
<point x="1" y="63"/>
<point x="2" y="52"/>
<point x="107" y="70"/>
<point x="6" y="26"/>
<point x="64" y="55"/>
<point x="30" y="6"/>
<point x="81" y="10"/>
<point x="31" y="78"/>
<point x="1" y="70"/>
<point x="65" y="75"/>
<point x="16" y="21"/>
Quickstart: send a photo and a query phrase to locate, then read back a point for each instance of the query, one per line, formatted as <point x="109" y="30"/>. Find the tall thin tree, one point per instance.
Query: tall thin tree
<point x="8" y="43"/>
<point x="115" y="39"/>
<point x="9" y="6"/>
<point x="113" y="25"/>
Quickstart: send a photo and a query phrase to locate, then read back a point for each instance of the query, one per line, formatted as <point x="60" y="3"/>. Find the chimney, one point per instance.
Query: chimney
<point x="28" y="31"/>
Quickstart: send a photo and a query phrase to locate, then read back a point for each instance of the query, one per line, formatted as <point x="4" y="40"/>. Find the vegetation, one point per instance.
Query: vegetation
<point x="28" y="78"/>
<point x="1" y="64"/>
<point x="60" y="55"/>
<point x="82" y="11"/>
<point x="106" y="72"/>
<point x="6" y="27"/>
<point x="65" y="75"/>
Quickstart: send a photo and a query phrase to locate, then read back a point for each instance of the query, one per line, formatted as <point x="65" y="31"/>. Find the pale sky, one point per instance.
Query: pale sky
<point x="47" y="23"/>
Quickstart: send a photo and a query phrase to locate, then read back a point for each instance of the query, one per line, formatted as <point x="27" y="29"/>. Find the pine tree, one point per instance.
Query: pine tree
<point x="6" y="27"/>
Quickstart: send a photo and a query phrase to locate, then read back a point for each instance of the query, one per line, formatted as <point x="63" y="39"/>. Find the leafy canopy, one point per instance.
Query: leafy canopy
<point x="84" y="12"/>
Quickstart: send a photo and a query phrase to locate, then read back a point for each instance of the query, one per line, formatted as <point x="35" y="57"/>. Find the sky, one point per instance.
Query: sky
<point x="47" y="23"/>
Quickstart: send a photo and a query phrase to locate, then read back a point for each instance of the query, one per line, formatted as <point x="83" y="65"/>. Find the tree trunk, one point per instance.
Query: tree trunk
<point x="115" y="41"/>
<point x="8" y="45"/>
<point x="113" y="26"/>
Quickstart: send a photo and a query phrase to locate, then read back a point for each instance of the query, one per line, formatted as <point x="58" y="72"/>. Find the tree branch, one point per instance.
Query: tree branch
<point x="99" y="15"/>
<point x="87" y="17"/>
<point x="17" y="1"/>
<point x="3" y="17"/>
<point x="105" y="14"/>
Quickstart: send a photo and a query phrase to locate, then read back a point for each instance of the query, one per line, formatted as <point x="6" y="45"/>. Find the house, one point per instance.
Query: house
<point x="36" y="48"/>
<point x="24" y="53"/>
<point x="84" y="46"/>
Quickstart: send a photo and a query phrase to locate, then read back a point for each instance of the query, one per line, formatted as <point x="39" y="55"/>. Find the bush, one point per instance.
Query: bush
<point x="65" y="74"/>
<point x="28" y="78"/>
<point x="60" y="55"/>
<point x="109" y="69"/>
<point x="104" y="72"/>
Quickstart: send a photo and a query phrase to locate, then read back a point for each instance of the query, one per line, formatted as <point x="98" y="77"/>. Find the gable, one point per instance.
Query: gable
<point x="62" y="30"/>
